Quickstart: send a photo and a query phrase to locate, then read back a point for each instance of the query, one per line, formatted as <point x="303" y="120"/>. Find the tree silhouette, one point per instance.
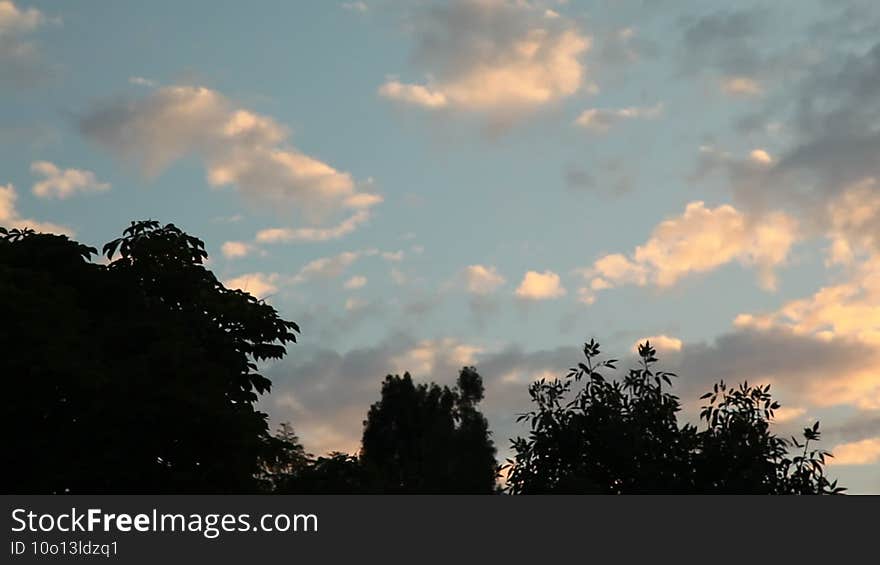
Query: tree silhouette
<point x="285" y="458"/>
<point x="623" y="437"/>
<point x="138" y="376"/>
<point x="336" y="473"/>
<point x="427" y="439"/>
<point x="141" y="376"/>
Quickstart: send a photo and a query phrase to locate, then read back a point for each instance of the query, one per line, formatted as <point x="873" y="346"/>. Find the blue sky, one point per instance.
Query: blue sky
<point x="423" y="185"/>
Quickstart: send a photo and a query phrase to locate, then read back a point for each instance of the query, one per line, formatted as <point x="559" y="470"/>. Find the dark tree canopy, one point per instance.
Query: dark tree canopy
<point x="138" y="376"/>
<point x="593" y="435"/>
<point x="429" y="439"/>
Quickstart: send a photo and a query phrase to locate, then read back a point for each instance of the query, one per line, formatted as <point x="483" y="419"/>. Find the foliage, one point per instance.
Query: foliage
<point x="429" y="439"/>
<point x="285" y="458"/>
<point x="620" y="437"/>
<point x="141" y="376"/>
<point x="137" y="376"/>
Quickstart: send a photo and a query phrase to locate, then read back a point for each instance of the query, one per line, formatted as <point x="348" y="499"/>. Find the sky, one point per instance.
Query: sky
<point x="426" y="185"/>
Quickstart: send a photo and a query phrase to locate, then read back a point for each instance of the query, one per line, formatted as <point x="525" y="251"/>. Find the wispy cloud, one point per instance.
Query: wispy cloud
<point x="64" y="183"/>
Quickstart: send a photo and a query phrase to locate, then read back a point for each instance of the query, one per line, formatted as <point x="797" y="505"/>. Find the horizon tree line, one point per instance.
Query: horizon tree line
<point x="141" y="376"/>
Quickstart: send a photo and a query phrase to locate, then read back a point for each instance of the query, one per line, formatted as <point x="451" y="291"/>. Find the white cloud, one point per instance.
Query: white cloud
<point x="64" y="183"/>
<point x="761" y="157"/>
<point x="237" y="146"/>
<point x="741" y="86"/>
<point x="662" y="343"/>
<point x="141" y="81"/>
<point x="700" y="240"/>
<point x="259" y="285"/>
<point x="853" y="219"/>
<point x="494" y="56"/>
<point x="601" y="120"/>
<point x="844" y="312"/>
<point x="10" y="217"/>
<point x="414" y="94"/>
<point x="15" y="20"/>
<point x="427" y="355"/>
<point x="20" y="58"/>
<point x="615" y="269"/>
<point x="864" y="452"/>
<point x="850" y="309"/>
<point x="586" y="296"/>
<point x="355" y="282"/>
<point x="287" y="235"/>
<point x="326" y="267"/>
<point x="786" y="414"/>
<point x="235" y="249"/>
<point x="540" y="286"/>
<point x="482" y="280"/>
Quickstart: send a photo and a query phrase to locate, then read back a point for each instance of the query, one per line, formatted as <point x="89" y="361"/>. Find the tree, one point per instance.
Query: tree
<point x="138" y="376"/>
<point x="427" y="439"/>
<point x="336" y="473"/>
<point x="623" y="437"/>
<point x="291" y="470"/>
<point x="285" y="458"/>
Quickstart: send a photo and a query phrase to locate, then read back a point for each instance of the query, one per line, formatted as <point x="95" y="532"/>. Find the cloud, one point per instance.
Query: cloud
<point x="327" y="394"/>
<point x="237" y="147"/>
<point x="846" y="310"/>
<point x="493" y="56"/>
<point x="540" y="286"/>
<point x="414" y="94"/>
<point x="853" y="221"/>
<point x="259" y="285"/>
<point x="700" y="240"/>
<point x="831" y="119"/>
<point x="786" y="414"/>
<point x="235" y="249"/>
<point x="141" y="81"/>
<point x="393" y="256"/>
<point x="761" y="157"/>
<point x="355" y="282"/>
<point x="289" y="235"/>
<point x="326" y="267"/>
<point x="398" y="277"/>
<point x="64" y="183"/>
<point x="850" y="309"/>
<point x="620" y="46"/>
<point x="741" y="86"/>
<point x="805" y="369"/>
<point x="10" y="217"/>
<point x="601" y="120"/>
<point x="353" y="304"/>
<point x="482" y="280"/>
<point x="427" y="355"/>
<point x="864" y="452"/>
<point x="15" y="20"/>
<point x="662" y="343"/>
<point x="322" y="268"/>
<point x="333" y="391"/>
<point x="725" y="42"/>
<point x="19" y="58"/>
<point x="609" y="179"/>
<point x="355" y="6"/>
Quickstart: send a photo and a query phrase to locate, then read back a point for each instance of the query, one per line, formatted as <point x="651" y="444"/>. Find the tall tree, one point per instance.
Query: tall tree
<point x="429" y="439"/>
<point x="138" y="376"/>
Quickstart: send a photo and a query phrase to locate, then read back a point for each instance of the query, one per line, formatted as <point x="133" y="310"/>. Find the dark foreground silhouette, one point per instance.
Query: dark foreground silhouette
<point x="593" y="435"/>
<point x="140" y="376"/>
